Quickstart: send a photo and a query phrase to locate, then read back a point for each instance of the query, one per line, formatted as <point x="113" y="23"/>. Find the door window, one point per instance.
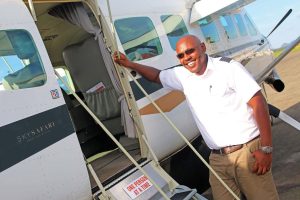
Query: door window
<point x="209" y="30"/>
<point x="228" y="25"/>
<point x="20" y="64"/>
<point x="241" y="26"/>
<point x="174" y="27"/>
<point x="250" y="26"/>
<point x="138" y="38"/>
<point x="65" y="75"/>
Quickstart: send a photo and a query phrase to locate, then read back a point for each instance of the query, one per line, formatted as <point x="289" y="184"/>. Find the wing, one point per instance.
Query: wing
<point x="267" y="70"/>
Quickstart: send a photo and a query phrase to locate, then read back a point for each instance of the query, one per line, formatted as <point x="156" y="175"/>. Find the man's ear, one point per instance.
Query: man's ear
<point x="203" y="47"/>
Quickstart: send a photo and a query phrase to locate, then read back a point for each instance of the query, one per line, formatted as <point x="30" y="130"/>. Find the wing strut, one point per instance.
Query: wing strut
<point x="269" y="68"/>
<point x="277" y="113"/>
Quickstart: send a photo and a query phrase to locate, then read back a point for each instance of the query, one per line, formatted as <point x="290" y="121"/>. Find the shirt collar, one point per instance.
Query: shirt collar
<point x="209" y="67"/>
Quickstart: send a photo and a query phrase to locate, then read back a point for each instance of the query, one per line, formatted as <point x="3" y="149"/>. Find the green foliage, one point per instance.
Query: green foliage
<point x="277" y="52"/>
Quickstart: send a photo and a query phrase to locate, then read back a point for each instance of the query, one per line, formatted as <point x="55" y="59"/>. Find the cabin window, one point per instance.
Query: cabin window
<point x="20" y="64"/>
<point x="228" y="25"/>
<point x="241" y="26"/>
<point x="209" y="30"/>
<point x="138" y="38"/>
<point x="65" y="75"/>
<point x="250" y="26"/>
<point x="174" y="27"/>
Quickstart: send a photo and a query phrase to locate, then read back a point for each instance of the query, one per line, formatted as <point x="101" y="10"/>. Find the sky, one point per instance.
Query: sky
<point x="267" y="13"/>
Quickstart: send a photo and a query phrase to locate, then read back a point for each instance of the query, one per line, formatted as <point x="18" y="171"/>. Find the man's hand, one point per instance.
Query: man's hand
<point x="123" y="60"/>
<point x="262" y="162"/>
<point x="150" y="73"/>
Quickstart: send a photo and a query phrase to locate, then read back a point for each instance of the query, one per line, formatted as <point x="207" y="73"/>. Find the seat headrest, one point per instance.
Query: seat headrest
<point x="31" y="75"/>
<point x="22" y="44"/>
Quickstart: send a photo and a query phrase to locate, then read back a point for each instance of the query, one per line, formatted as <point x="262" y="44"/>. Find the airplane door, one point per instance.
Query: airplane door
<point x="40" y="154"/>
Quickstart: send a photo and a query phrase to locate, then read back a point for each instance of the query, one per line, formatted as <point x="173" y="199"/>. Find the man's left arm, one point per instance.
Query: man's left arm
<point x="263" y="160"/>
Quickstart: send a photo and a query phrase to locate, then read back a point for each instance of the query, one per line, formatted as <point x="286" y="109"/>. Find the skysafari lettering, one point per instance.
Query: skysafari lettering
<point x="35" y="133"/>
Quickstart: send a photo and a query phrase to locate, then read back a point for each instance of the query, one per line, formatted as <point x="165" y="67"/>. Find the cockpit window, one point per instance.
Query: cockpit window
<point x="209" y="30"/>
<point x="20" y="65"/>
<point x="241" y="26"/>
<point x="250" y="26"/>
<point x="138" y="37"/>
<point x="174" y="27"/>
<point x="228" y="25"/>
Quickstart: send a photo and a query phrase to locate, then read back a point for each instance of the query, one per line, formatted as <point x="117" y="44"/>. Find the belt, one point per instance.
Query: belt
<point x="230" y="149"/>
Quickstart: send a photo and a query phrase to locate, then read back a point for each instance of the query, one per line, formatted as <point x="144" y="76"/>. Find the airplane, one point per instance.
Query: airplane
<point x="77" y="126"/>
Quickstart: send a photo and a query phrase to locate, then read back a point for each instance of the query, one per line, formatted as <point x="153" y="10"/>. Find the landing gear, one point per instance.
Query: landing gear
<point x="275" y="112"/>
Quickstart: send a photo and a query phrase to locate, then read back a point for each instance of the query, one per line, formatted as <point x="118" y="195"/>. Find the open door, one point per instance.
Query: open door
<point x="40" y="154"/>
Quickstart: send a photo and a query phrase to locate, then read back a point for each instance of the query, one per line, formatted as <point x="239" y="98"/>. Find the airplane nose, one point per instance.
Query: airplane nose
<point x="275" y="82"/>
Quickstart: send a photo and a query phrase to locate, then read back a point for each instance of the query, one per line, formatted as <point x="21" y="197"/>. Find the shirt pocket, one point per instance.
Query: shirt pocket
<point x="220" y="100"/>
<point x="217" y="90"/>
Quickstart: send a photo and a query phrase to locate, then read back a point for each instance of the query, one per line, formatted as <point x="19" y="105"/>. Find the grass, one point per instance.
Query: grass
<point x="277" y="52"/>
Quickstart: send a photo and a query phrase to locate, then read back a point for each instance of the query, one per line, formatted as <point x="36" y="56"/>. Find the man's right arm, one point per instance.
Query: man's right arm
<point x="150" y="73"/>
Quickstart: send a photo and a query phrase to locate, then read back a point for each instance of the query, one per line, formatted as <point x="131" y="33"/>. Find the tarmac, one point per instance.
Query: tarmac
<point x="286" y="139"/>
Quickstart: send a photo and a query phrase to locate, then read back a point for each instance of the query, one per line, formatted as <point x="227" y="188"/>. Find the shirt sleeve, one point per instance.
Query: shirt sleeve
<point x="243" y="82"/>
<point x="170" y="80"/>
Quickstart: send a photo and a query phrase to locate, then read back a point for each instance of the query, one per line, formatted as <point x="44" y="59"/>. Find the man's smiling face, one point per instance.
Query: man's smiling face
<point x="191" y="54"/>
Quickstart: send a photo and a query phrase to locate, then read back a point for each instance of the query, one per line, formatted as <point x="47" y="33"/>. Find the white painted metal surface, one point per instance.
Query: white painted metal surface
<point x="205" y="8"/>
<point x="49" y="173"/>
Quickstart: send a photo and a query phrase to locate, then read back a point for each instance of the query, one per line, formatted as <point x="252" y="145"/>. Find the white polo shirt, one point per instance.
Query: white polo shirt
<point x="218" y="100"/>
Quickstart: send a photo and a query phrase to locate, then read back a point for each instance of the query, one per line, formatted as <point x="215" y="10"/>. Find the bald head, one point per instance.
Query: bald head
<point x="191" y="54"/>
<point x="188" y="39"/>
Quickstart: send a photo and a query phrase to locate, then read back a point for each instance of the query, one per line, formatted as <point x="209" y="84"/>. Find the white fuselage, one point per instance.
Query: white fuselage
<point x="40" y="154"/>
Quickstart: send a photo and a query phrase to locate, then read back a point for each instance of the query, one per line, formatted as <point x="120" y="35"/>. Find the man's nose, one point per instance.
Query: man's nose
<point x="187" y="57"/>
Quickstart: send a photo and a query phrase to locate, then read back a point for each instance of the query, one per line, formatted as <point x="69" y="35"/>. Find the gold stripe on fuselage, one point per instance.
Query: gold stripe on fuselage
<point x="166" y="103"/>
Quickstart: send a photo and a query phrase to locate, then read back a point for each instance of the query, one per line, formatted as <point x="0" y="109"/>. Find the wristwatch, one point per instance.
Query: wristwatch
<point x="266" y="149"/>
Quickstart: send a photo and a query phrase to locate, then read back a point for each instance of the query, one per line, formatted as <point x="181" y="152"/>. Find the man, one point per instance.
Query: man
<point x="230" y="112"/>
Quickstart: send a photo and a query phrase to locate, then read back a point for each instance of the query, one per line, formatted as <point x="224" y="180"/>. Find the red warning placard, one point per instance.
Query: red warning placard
<point x="138" y="186"/>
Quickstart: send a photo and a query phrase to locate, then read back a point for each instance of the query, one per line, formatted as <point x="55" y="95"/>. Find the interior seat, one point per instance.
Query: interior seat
<point x="91" y="137"/>
<point x="88" y="71"/>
